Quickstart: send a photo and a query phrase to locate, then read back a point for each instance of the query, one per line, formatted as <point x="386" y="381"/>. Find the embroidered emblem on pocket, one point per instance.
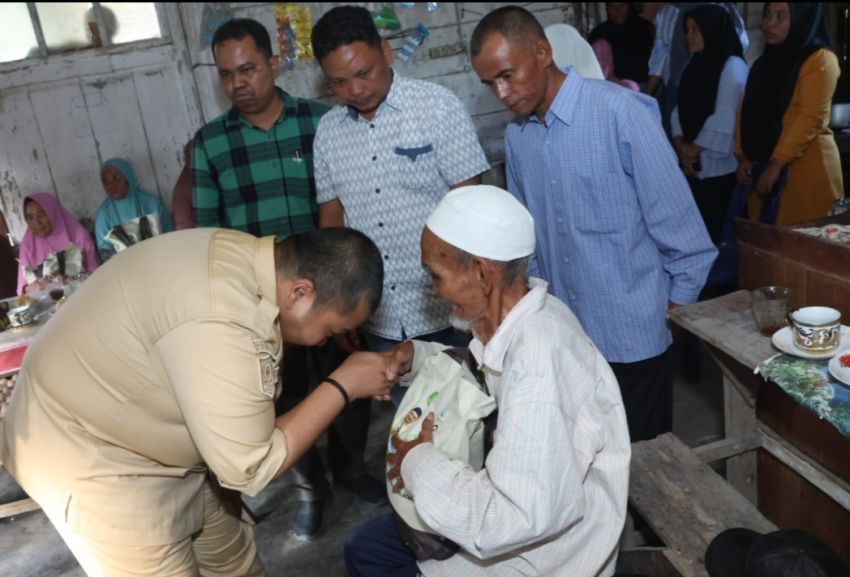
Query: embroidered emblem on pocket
<point x="412" y="153"/>
<point x="268" y="367"/>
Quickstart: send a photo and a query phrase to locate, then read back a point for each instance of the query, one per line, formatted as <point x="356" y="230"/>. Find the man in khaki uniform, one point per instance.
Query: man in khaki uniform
<point x="161" y="370"/>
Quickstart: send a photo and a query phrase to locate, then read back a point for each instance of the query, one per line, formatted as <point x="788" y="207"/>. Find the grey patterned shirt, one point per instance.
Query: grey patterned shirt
<point x="389" y="173"/>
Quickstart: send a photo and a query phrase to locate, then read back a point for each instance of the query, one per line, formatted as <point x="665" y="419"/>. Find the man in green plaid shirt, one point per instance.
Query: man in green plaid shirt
<point x="252" y="167"/>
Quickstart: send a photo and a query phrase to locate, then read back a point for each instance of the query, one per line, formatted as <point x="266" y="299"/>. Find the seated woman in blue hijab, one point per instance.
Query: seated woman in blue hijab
<point x="119" y="221"/>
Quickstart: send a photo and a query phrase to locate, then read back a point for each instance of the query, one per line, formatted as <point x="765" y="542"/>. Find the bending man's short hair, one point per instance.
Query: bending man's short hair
<point x="517" y="25"/>
<point x="342" y="26"/>
<point x="242" y="28"/>
<point x="343" y="264"/>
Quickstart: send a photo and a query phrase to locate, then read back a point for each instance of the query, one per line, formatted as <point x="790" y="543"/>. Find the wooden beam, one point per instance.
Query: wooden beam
<point x="646" y="561"/>
<point x="826" y="481"/>
<point x="725" y="448"/>
<point x="18" y="508"/>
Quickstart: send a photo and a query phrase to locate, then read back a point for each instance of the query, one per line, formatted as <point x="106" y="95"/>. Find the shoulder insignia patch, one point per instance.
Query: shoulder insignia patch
<point x="269" y="373"/>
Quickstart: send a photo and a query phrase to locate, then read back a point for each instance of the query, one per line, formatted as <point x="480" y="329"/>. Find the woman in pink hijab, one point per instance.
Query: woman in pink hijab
<point x="50" y="229"/>
<point x="605" y="55"/>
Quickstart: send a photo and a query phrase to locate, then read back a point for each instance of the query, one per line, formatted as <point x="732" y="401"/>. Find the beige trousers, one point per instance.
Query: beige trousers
<point x="225" y="547"/>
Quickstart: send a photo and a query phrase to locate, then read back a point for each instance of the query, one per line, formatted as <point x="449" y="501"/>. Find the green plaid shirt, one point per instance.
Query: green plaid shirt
<point x="258" y="181"/>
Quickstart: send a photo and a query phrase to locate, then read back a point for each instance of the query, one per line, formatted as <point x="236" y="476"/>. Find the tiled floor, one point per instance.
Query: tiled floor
<point x="30" y="547"/>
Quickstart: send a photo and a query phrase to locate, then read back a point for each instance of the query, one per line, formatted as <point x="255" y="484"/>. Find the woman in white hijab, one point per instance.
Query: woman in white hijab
<point x="570" y="49"/>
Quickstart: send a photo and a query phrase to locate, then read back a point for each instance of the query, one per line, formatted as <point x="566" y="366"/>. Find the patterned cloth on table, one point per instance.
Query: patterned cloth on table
<point x="812" y="386"/>
<point x="837" y="233"/>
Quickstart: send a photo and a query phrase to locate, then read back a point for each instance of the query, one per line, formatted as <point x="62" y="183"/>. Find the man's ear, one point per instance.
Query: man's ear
<point x="484" y="274"/>
<point x="297" y="290"/>
<point x="274" y="62"/>
<point x="387" y="51"/>
<point x="543" y="53"/>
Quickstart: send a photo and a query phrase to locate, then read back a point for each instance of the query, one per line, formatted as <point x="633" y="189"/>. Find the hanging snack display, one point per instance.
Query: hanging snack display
<point x="294" y="26"/>
<point x="386" y="18"/>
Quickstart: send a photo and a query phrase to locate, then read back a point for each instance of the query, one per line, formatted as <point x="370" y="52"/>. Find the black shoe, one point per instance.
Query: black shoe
<point x="367" y="489"/>
<point x="308" y="520"/>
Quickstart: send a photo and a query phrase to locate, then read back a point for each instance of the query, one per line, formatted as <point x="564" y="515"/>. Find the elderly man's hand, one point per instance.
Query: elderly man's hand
<point x="402" y="356"/>
<point x="367" y="375"/>
<point x="401" y="448"/>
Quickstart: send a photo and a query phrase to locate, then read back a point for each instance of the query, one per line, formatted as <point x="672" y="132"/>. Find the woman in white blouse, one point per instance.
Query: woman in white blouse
<point x="704" y="121"/>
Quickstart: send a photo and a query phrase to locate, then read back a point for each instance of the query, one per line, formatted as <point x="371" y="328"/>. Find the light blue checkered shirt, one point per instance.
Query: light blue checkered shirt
<point x="659" y="59"/>
<point x="389" y="173"/>
<point x="617" y="228"/>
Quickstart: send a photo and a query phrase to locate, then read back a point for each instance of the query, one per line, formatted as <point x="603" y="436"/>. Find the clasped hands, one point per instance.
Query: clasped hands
<point x="767" y="180"/>
<point x="372" y="375"/>
<point x="688" y="155"/>
<point x="366" y="374"/>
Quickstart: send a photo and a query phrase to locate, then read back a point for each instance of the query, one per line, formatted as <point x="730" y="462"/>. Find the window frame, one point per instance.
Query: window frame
<point x="43" y="53"/>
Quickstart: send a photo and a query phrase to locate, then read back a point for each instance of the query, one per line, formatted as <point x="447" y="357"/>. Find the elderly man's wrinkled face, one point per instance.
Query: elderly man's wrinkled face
<point x="454" y="284"/>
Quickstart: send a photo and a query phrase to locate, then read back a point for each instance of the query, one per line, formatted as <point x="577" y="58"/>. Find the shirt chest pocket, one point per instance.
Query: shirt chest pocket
<point x="603" y="204"/>
<point x="416" y="167"/>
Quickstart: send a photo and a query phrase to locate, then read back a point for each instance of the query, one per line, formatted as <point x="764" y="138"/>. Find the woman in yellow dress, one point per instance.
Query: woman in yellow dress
<point x="785" y="115"/>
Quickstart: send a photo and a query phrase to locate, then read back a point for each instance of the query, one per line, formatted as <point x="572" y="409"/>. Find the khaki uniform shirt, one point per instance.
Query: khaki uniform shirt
<point x="161" y="367"/>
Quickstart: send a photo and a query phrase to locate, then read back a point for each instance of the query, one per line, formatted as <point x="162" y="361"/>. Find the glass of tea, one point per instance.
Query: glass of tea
<point x="770" y="305"/>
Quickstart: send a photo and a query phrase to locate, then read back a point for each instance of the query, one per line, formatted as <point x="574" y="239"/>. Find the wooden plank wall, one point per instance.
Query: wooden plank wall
<point x="62" y="116"/>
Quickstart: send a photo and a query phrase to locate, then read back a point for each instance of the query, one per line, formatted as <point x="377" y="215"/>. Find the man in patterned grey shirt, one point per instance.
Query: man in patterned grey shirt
<point x="383" y="160"/>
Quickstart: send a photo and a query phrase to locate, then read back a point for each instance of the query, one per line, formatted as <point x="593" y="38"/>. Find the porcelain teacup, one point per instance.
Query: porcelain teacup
<point x="816" y="329"/>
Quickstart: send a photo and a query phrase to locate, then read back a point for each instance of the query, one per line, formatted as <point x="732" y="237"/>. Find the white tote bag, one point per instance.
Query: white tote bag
<point x="446" y="387"/>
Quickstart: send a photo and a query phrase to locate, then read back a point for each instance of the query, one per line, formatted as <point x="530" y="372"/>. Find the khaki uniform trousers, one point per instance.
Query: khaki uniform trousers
<point x="225" y="547"/>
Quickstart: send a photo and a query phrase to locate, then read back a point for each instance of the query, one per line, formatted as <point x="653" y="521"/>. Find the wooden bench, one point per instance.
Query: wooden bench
<point x="686" y="504"/>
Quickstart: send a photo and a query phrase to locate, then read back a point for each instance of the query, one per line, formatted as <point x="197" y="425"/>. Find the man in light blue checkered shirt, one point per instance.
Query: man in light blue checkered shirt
<point x="620" y="239"/>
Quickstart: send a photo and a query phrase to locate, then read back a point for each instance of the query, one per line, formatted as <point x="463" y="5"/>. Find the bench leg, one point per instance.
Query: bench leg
<point x="740" y="421"/>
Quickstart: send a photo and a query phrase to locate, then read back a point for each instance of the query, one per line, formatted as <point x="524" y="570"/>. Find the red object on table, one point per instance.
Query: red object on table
<point x="10" y="360"/>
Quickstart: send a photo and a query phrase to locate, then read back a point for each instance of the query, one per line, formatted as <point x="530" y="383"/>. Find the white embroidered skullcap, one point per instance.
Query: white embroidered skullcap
<point x="484" y="221"/>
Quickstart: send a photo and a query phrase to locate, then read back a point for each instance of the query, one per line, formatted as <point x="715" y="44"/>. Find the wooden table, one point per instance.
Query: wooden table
<point x="13" y="343"/>
<point x="754" y="411"/>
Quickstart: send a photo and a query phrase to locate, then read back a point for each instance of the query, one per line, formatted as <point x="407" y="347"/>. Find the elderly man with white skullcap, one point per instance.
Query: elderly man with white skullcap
<point x="551" y="498"/>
